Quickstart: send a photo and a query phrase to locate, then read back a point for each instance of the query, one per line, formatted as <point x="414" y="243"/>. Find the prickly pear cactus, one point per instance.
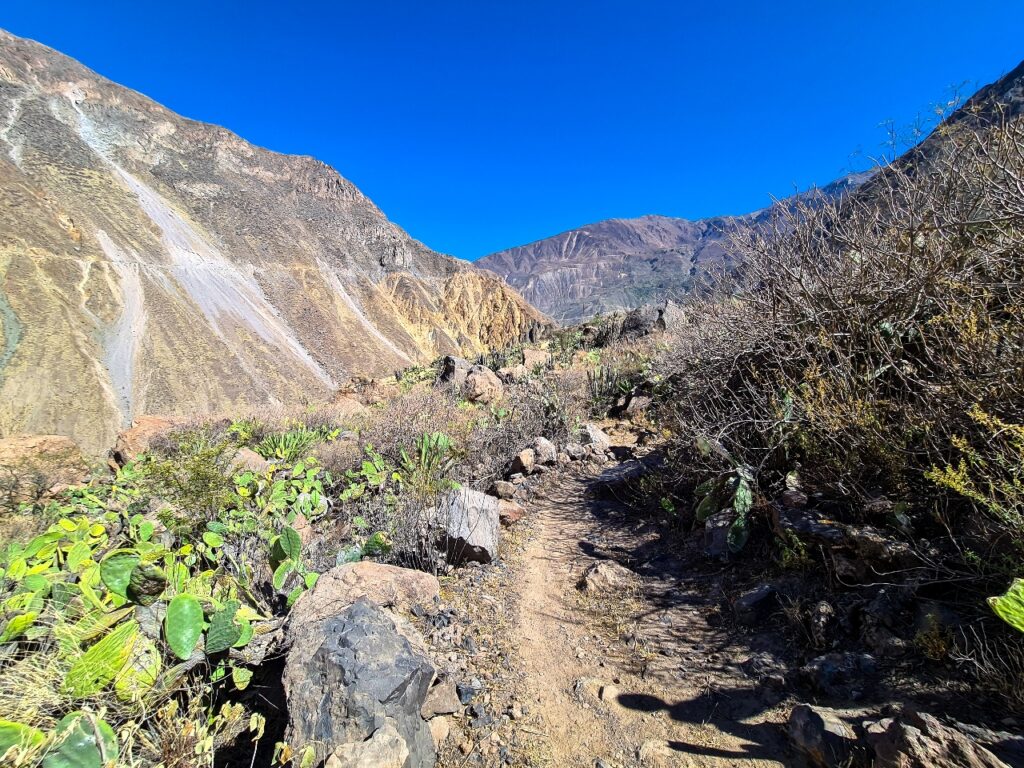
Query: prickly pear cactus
<point x="1009" y="606"/>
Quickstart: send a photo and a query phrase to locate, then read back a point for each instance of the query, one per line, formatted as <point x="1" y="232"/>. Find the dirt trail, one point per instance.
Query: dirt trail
<point x="632" y="679"/>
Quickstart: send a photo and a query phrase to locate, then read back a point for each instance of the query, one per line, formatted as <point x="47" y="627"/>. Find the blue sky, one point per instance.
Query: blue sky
<point x="481" y="125"/>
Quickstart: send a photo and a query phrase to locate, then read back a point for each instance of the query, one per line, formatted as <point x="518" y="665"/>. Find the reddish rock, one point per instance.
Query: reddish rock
<point x="510" y="513"/>
<point x="136" y="440"/>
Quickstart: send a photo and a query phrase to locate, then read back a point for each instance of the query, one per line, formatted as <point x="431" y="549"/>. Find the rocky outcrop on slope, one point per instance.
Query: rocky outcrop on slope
<point x="153" y="264"/>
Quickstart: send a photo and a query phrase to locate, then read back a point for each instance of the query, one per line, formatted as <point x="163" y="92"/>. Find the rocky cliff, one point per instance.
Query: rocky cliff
<point x="153" y="264"/>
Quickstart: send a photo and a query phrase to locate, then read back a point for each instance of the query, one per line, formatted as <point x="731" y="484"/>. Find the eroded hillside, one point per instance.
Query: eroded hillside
<point x="153" y="264"/>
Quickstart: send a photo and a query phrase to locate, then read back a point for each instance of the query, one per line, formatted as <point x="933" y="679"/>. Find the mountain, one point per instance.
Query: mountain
<point x="624" y="263"/>
<point x="154" y="264"/>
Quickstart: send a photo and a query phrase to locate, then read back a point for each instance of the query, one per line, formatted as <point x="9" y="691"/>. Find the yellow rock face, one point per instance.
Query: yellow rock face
<point x="152" y="264"/>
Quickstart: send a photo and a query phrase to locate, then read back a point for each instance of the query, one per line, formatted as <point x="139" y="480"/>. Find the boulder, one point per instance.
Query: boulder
<point x="509" y="512"/>
<point x="482" y="386"/>
<point x="140" y="436"/>
<point x="524" y="461"/>
<point x="823" y="737"/>
<point x="535" y="358"/>
<point x="514" y="373"/>
<point x="756" y="605"/>
<point x="545" y="451"/>
<point x="355" y="687"/>
<point x="597" y="440"/>
<point x="468" y="523"/>
<point x="387" y="586"/>
<point x="918" y="740"/>
<point x="384" y="749"/>
<point x="248" y="459"/>
<point x="35" y="466"/>
<point x="606" y="577"/>
<point x="454" y="371"/>
<point x="503" y="489"/>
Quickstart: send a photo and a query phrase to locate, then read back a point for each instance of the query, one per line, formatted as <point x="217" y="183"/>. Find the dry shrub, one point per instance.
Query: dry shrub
<point x="861" y="332"/>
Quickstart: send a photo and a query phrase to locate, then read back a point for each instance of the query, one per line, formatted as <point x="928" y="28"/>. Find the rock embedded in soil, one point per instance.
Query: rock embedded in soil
<point x="606" y="577"/>
<point x="575" y="451"/>
<point x="469" y="523"/>
<point x="756" y="605"/>
<point x="823" y="737"/>
<point x="840" y="675"/>
<point x="454" y="371"/>
<point x="384" y="749"/>
<point x="138" y="438"/>
<point x="351" y="675"/>
<point x="503" y="489"/>
<point x="535" y="358"/>
<point x="509" y="512"/>
<point x="442" y="699"/>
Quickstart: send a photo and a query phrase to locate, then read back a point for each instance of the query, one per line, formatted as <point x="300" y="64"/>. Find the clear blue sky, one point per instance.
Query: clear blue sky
<point x="480" y="125"/>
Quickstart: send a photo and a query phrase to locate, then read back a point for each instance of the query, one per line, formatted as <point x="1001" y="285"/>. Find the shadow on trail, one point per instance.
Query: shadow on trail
<point x="721" y="710"/>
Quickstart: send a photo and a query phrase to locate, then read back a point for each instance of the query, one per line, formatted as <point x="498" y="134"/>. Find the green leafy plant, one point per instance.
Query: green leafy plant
<point x="1009" y="606"/>
<point x="732" y="490"/>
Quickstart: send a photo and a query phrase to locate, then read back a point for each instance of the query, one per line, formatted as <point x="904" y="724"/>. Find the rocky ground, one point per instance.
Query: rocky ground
<point x="602" y="640"/>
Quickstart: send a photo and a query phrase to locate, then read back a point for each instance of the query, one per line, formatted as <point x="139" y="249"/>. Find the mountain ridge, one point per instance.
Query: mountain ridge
<point x="151" y="263"/>
<point x="621" y="263"/>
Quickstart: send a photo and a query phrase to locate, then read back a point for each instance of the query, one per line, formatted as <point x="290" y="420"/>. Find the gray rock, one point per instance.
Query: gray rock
<point x="468" y="524"/>
<point x="454" y="371"/>
<point x="592" y="436"/>
<point x="716" y="534"/>
<point x="756" y="604"/>
<point x="807" y="526"/>
<point x="823" y="737"/>
<point x="918" y="740"/>
<point x="545" y="451"/>
<point x="575" y="451"/>
<point x="351" y="677"/>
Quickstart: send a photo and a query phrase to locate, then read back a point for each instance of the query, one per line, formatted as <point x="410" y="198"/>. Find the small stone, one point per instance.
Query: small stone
<point x="504" y="489"/>
<point x="440" y="729"/>
<point x="608" y="693"/>
<point x="524" y="461"/>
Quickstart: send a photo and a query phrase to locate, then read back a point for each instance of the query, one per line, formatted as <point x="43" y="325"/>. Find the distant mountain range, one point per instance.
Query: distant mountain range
<point x="624" y="263"/>
<point x="153" y="264"/>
